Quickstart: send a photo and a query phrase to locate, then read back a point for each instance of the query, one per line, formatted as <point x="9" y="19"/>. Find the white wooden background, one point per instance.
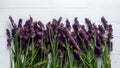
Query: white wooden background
<point x="45" y="10"/>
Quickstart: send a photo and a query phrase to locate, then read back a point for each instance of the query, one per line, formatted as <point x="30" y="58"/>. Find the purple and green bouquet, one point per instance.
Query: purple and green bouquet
<point x="56" y="45"/>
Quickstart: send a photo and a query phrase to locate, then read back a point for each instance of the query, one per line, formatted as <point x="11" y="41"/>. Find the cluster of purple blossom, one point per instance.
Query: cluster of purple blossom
<point x="76" y="34"/>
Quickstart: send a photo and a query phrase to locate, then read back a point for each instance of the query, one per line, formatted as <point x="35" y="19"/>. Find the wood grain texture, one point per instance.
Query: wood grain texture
<point x="46" y="10"/>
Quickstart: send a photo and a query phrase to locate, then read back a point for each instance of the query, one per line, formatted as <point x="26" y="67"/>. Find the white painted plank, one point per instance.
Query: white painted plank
<point x="93" y="14"/>
<point x="59" y="3"/>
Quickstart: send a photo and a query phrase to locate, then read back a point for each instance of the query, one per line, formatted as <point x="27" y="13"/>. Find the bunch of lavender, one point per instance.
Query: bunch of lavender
<point x="59" y="46"/>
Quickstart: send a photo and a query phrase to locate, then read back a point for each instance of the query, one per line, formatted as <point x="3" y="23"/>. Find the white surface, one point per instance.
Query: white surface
<point x="45" y="10"/>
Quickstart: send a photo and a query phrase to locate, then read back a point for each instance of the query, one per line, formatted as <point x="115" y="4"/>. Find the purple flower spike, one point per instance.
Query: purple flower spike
<point x="8" y="33"/>
<point x="60" y="53"/>
<point x="105" y="23"/>
<point x="68" y="24"/>
<point x="14" y="30"/>
<point x="101" y="38"/>
<point x="98" y="51"/>
<point x="32" y="32"/>
<point x="60" y="44"/>
<point x="20" y="23"/>
<point x="83" y="28"/>
<point x="11" y="20"/>
<point x="76" y="21"/>
<point x="110" y="31"/>
<point x="9" y="41"/>
<point x="76" y="27"/>
<point x="39" y="35"/>
<point x="88" y="22"/>
<point x="110" y="28"/>
<point x="41" y="24"/>
<point x="59" y="20"/>
<point x="49" y="26"/>
<point x="101" y="29"/>
<point x="40" y="42"/>
<point x="72" y="42"/>
<point x="76" y="54"/>
<point x="110" y="44"/>
<point x="31" y="19"/>
<point x="21" y="33"/>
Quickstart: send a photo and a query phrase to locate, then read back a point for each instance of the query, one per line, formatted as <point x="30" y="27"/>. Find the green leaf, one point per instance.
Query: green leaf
<point x="39" y="63"/>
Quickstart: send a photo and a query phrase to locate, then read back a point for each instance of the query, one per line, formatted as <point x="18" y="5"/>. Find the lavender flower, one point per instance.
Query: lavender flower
<point x="60" y="53"/>
<point x="76" y="54"/>
<point x="76" y="21"/>
<point x="32" y="32"/>
<point x="59" y="20"/>
<point x="31" y="19"/>
<point x="9" y="41"/>
<point x="110" y="44"/>
<point x="72" y="42"/>
<point x="8" y="33"/>
<point x="76" y="25"/>
<point x="68" y="24"/>
<point x="110" y="31"/>
<point x="101" y="29"/>
<point x="11" y="20"/>
<point x="61" y="44"/>
<point x="20" y="23"/>
<point x="39" y="35"/>
<point x="35" y="25"/>
<point x="98" y="51"/>
<point x="41" y="24"/>
<point x="56" y="30"/>
<point x="105" y="23"/>
<point x="21" y="33"/>
<point x="40" y="42"/>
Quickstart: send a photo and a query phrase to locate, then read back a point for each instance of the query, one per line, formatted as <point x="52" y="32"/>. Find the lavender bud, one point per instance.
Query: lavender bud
<point x="101" y="29"/>
<point x="68" y="26"/>
<point x="110" y="30"/>
<point x="95" y="28"/>
<point x="49" y="26"/>
<point x="98" y="40"/>
<point x="21" y="33"/>
<point x="89" y="25"/>
<point x="32" y="32"/>
<point x="105" y="23"/>
<point x="72" y="42"/>
<point x="8" y="33"/>
<point x="110" y="44"/>
<point x="83" y="28"/>
<point x="98" y="51"/>
<point x="59" y="20"/>
<point x="60" y="53"/>
<point x="76" y="54"/>
<point x="20" y="23"/>
<point x="35" y="25"/>
<point x="39" y="35"/>
<point x="40" y="42"/>
<point x="101" y="38"/>
<point x="83" y="34"/>
<point x="31" y="19"/>
<point x="11" y="20"/>
<point x="76" y="21"/>
<point x="41" y="24"/>
<point x="76" y="27"/>
<point x="9" y="41"/>
<point x="14" y="32"/>
<point x="60" y="44"/>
